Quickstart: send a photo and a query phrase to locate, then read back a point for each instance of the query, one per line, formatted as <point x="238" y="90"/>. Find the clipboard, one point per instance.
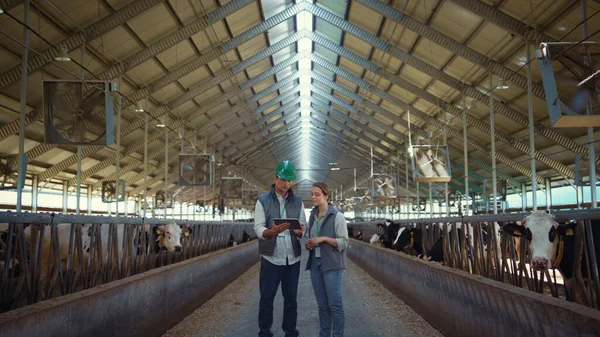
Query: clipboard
<point x="294" y="223"/>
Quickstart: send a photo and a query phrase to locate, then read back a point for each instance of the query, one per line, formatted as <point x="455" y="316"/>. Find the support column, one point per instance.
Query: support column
<point x="126" y="204"/>
<point x="24" y="64"/>
<point x="590" y="130"/>
<point x="118" y="161"/>
<point x="430" y="201"/>
<point x="167" y="197"/>
<point x="418" y="202"/>
<point x="405" y="188"/>
<point x="466" y="155"/>
<point x="531" y="130"/>
<point x="493" y="147"/>
<point x="144" y="197"/>
<point x="34" y="192"/>
<point x="89" y="199"/>
<point x="592" y="155"/>
<point x="524" y="196"/>
<point x="79" y="159"/>
<point x="548" y="193"/>
<point x="65" y="196"/>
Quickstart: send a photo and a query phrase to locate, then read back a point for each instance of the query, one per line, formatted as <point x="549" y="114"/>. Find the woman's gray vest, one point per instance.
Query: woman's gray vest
<point x="270" y="203"/>
<point x="331" y="258"/>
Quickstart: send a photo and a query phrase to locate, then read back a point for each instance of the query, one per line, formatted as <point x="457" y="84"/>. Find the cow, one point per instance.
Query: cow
<point x="390" y="231"/>
<point x="376" y="239"/>
<point x="231" y="242"/>
<point x="168" y="237"/>
<point x="14" y="268"/>
<point x="359" y="235"/>
<point x="553" y="245"/>
<point x="408" y="237"/>
<point x="436" y="252"/>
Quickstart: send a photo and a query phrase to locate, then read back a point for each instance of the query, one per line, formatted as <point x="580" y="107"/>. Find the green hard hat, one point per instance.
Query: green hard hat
<point x="286" y="170"/>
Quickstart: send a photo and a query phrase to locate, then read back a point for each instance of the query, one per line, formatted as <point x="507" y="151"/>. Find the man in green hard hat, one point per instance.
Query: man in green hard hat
<point x="279" y="248"/>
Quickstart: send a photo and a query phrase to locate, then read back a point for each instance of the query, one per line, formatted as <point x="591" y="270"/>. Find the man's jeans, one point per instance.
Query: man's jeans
<point x="270" y="276"/>
<point x="328" y="291"/>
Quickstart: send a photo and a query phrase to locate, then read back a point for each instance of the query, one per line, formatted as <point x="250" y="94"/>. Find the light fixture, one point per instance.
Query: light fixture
<point x="161" y="125"/>
<point x="139" y="108"/>
<point x="501" y="85"/>
<point x="335" y="169"/>
<point x="331" y="164"/>
<point x="63" y="56"/>
<point x="562" y="28"/>
<point x="1" y="11"/>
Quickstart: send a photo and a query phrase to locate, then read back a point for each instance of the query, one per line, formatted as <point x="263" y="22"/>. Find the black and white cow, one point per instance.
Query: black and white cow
<point x="376" y="239"/>
<point x="546" y="236"/>
<point x="390" y="231"/>
<point x="408" y="237"/>
<point x="231" y="242"/>
<point x="436" y="252"/>
<point x="359" y="235"/>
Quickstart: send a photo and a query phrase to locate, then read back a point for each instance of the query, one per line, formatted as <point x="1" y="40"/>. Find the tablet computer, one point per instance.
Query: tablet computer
<point x="294" y="223"/>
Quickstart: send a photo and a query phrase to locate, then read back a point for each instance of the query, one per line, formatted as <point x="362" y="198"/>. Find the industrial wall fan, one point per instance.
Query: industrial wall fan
<point x="430" y="163"/>
<point x="384" y="186"/>
<point x="249" y="198"/>
<point x="419" y="204"/>
<point x="163" y="199"/>
<point x="77" y="113"/>
<point x="195" y="170"/>
<point x="231" y="188"/>
<point x="109" y="191"/>
<point x="364" y="196"/>
<point x="9" y="171"/>
<point x="201" y="206"/>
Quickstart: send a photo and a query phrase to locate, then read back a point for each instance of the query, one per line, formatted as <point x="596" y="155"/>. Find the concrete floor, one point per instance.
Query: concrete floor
<point x="371" y="310"/>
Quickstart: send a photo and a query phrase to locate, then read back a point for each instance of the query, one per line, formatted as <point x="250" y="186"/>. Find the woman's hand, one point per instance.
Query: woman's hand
<point x="311" y="243"/>
<point x="321" y="239"/>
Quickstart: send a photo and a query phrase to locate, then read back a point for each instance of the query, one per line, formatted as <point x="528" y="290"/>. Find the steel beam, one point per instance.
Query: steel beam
<point x="452" y="45"/>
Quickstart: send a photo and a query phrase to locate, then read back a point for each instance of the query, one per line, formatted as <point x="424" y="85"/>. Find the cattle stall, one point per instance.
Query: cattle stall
<point x="51" y="255"/>
<point x="482" y="248"/>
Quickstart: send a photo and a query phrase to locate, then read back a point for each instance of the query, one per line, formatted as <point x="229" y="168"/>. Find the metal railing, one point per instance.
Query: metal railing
<point x="49" y="255"/>
<point x="477" y="252"/>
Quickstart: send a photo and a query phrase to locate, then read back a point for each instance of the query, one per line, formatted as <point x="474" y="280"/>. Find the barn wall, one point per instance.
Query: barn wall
<point x="147" y="304"/>
<point x="461" y="304"/>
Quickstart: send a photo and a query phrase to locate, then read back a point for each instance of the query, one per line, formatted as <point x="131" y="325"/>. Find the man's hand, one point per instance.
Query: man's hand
<point x="276" y="229"/>
<point x="299" y="232"/>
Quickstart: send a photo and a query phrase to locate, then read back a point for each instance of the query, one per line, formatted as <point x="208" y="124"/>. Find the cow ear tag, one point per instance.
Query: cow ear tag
<point x="569" y="232"/>
<point x="517" y="232"/>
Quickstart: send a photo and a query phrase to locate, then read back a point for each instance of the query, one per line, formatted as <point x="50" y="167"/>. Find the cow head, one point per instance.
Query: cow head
<point x="187" y="230"/>
<point x="169" y="237"/>
<point x="541" y="231"/>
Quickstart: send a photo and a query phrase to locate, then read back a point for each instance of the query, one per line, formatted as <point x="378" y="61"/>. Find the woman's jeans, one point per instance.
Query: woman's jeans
<point x="328" y="291"/>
